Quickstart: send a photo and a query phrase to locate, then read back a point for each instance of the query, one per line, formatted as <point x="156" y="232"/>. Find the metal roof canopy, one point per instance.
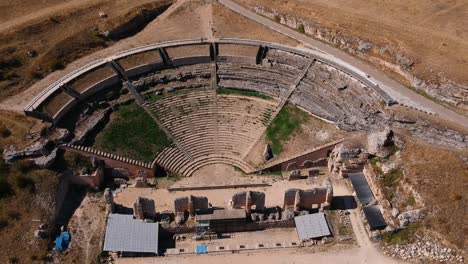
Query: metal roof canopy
<point x="125" y="234"/>
<point x="311" y="226"/>
<point x="374" y="217"/>
<point x="363" y="191"/>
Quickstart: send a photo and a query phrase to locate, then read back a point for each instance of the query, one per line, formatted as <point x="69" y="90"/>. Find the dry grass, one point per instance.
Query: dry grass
<point x="440" y="176"/>
<point x="67" y="32"/>
<point x="87" y="226"/>
<point x="19" y="126"/>
<point x="228" y="24"/>
<point x="23" y="211"/>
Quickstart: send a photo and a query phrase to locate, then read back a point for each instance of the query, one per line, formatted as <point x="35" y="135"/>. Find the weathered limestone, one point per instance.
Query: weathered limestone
<point x="46" y="161"/>
<point x="247" y="200"/>
<point x="409" y="217"/>
<point x="344" y="160"/>
<point x="11" y="153"/>
<point x="294" y="175"/>
<point x="267" y="153"/>
<point x="141" y="182"/>
<point x="318" y="198"/>
<point x="378" y="142"/>
<point x="144" y="208"/>
<point x="109" y="200"/>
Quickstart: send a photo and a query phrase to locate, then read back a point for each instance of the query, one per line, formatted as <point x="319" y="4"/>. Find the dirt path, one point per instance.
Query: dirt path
<point x="206" y="25"/>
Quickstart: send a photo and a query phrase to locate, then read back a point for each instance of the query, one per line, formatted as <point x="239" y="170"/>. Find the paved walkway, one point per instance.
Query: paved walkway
<point x="401" y="93"/>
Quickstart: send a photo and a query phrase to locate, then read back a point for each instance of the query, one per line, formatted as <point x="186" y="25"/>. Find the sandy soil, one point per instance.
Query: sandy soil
<point x="365" y="252"/>
<point x="282" y="256"/>
<point x="87" y="226"/>
<point x="228" y="24"/>
<point x="217" y="174"/>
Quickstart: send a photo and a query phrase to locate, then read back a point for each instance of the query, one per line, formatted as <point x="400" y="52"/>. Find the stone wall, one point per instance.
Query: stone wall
<point x="317" y="198"/>
<point x="190" y="204"/>
<point x="133" y="169"/>
<point x="247" y="200"/>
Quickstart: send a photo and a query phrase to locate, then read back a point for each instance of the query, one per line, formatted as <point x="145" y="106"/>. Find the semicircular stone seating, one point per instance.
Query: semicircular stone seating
<point x="208" y="127"/>
<point x="211" y="128"/>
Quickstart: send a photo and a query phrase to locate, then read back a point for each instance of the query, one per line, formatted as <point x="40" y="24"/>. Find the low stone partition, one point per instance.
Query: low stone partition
<point x="215" y="187"/>
<point x="134" y="167"/>
<point x="308" y="159"/>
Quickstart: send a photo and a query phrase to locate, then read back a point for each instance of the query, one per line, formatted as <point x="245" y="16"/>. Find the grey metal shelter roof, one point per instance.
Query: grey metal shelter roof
<point x="363" y="192"/>
<point x="311" y="226"/>
<point x="123" y="233"/>
<point x="374" y="217"/>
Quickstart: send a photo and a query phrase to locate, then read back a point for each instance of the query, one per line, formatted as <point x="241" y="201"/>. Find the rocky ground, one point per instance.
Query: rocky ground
<point x="423" y="249"/>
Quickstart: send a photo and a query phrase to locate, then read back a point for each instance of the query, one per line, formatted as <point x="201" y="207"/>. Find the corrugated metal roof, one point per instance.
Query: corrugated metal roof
<point x="123" y="233"/>
<point x="374" y="217"/>
<point x="311" y="226"/>
<point x="363" y="191"/>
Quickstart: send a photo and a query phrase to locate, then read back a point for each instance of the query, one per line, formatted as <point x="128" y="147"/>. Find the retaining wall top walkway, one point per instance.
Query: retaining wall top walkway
<point x="41" y="97"/>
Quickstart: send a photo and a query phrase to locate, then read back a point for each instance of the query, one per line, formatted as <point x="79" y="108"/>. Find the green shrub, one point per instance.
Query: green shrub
<point x="300" y="28"/>
<point x="4" y="132"/>
<point x="3" y="223"/>
<point x="277" y="19"/>
<point x="5" y="189"/>
<point x="391" y="178"/>
<point x="401" y="236"/>
<point x="23" y="166"/>
<point x="24" y="182"/>
<point x="56" y="65"/>
<point x="77" y="161"/>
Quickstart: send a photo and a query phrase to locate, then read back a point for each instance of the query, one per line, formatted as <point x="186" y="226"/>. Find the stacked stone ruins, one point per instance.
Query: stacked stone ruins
<point x="296" y="200"/>
<point x="248" y="200"/>
<point x="189" y="204"/>
<point x="109" y="200"/>
<point x="344" y="160"/>
<point x="144" y="208"/>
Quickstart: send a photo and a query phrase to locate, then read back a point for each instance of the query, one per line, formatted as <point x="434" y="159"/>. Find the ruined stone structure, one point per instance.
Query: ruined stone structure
<point x="209" y="127"/>
<point x="189" y="204"/>
<point x="247" y="200"/>
<point x="109" y="200"/>
<point x="318" y="198"/>
<point x="344" y="160"/>
<point x="141" y="182"/>
<point x="144" y="208"/>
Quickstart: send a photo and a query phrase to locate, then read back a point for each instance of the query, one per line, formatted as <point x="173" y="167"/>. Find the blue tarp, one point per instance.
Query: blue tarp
<point x="63" y="241"/>
<point x="201" y="249"/>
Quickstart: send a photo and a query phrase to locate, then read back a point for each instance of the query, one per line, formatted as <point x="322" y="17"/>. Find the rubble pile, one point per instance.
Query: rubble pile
<point x="423" y="249"/>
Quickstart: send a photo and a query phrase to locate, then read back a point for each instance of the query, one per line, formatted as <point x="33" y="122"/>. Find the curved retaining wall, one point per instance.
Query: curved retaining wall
<point x="30" y="109"/>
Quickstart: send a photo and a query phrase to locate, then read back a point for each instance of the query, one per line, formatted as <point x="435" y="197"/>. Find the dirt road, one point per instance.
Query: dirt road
<point x="396" y="90"/>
